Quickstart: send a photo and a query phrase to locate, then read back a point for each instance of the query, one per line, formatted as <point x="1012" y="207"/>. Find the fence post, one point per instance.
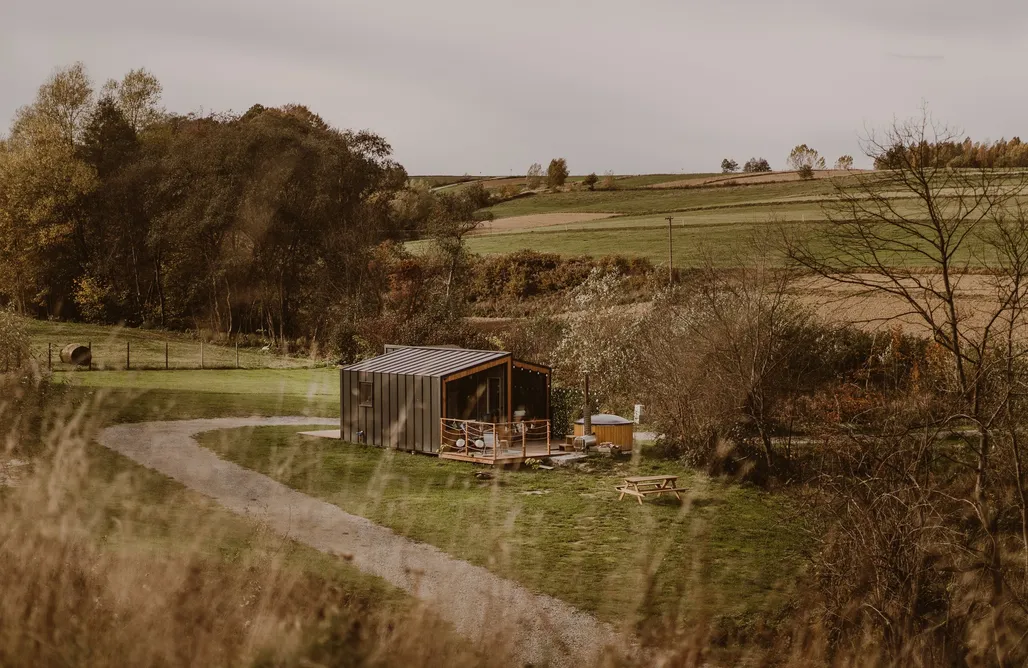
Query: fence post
<point x="524" y="441"/>
<point x="128" y="356"/>
<point x="201" y="353"/>
<point x="237" y="354"/>
<point x="49" y="357"/>
<point x="90" y="355"/>
<point x="166" y="356"/>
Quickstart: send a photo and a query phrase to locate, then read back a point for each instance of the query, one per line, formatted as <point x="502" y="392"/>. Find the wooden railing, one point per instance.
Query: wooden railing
<point x="493" y="441"/>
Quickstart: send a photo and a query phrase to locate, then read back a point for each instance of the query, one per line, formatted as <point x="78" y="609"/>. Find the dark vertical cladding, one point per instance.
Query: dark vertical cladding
<point x="375" y="414"/>
<point x="437" y="414"/>
<point x="425" y="414"/>
<point x="345" y="406"/>
<point x="410" y="421"/>
<point x="362" y="411"/>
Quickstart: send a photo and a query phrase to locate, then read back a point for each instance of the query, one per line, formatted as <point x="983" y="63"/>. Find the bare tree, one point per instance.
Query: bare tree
<point x="911" y="234"/>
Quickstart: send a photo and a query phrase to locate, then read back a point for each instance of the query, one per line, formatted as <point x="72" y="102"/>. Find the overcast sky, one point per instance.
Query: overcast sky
<point x="489" y="87"/>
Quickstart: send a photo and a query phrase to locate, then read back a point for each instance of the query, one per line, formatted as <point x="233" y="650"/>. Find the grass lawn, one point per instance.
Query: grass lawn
<point x="146" y="348"/>
<point x="692" y="243"/>
<point x="727" y="552"/>
<point x="636" y="202"/>
<point x="185" y="394"/>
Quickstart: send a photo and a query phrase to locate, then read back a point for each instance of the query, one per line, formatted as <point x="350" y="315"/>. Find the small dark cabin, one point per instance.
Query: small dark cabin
<point x="468" y="403"/>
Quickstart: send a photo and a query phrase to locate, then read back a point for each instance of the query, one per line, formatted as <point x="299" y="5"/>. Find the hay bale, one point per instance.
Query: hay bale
<point x="77" y="354"/>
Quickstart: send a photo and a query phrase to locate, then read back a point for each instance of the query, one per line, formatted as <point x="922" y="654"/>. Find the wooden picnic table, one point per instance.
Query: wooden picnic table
<point x="642" y="486"/>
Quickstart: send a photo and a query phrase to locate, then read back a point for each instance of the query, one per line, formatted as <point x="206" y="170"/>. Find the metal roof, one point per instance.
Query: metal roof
<point x="601" y="419"/>
<point x="427" y="361"/>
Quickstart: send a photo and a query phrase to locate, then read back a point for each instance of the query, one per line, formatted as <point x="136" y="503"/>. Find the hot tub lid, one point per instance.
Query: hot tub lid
<point x="605" y="419"/>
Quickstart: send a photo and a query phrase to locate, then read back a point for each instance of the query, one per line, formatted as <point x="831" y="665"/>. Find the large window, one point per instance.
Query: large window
<point x="367" y="390"/>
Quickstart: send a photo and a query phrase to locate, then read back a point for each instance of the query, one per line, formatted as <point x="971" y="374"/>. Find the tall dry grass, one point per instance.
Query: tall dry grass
<point x="89" y="576"/>
<point x="97" y="570"/>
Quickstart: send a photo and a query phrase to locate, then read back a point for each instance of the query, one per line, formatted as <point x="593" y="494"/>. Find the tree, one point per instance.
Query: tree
<point x="805" y="160"/>
<point x="42" y="181"/>
<point x="728" y="166"/>
<point x="455" y="217"/>
<point x="754" y="165"/>
<point x="138" y="96"/>
<point x="535" y="176"/>
<point x="844" y="162"/>
<point x="973" y="509"/>
<point x="557" y="173"/>
<point x="609" y="181"/>
<point x="61" y="107"/>
<point x="591" y="180"/>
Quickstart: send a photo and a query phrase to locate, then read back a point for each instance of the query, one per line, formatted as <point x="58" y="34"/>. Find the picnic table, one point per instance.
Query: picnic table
<point x="642" y="486"/>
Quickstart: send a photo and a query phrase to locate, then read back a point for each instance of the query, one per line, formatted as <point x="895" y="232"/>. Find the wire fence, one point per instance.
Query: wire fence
<point x="152" y="355"/>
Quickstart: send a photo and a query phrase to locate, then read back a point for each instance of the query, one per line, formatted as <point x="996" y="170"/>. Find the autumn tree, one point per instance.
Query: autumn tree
<point x="844" y="162"/>
<point x="557" y="173"/>
<point x="805" y="160"/>
<point x="591" y="180"/>
<point x="728" y="166"/>
<point x="138" y="97"/>
<point x="42" y="181"/>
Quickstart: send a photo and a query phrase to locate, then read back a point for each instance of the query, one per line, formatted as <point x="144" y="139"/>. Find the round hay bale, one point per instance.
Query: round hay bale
<point x="77" y="354"/>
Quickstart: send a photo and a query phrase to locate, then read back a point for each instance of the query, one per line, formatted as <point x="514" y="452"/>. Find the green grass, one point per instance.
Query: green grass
<point x="636" y="202"/>
<point x="187" y="394"/>
<point x="145" y="347"/>
<point x="692" y="243"/>
<point x="726" y="551"/>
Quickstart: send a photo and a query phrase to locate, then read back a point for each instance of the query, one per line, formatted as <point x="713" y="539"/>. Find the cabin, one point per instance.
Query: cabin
<point x="472" y="405"/>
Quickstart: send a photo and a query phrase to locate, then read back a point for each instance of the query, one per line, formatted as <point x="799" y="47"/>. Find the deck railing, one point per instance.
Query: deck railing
<point x="494" y="441"/>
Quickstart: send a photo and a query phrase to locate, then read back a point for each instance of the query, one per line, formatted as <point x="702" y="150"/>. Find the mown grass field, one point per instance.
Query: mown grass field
<point x="146" y="348"/>
<point x="634" y="202"/>
<point x="726" y="552"/>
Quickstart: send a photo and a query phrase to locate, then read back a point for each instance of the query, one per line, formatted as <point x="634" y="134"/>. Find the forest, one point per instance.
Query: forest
<point x="269" y="222"/>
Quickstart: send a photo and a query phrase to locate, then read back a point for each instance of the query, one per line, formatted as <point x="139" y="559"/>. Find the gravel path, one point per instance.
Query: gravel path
<point x="481" y="605"/>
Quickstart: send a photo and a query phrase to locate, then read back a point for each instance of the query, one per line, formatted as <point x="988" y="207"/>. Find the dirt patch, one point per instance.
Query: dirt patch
<point x="835" y="302"/>
<point x="517" y="223"/>
<point x="484" y="607"/>
<point x="750" y="179"/>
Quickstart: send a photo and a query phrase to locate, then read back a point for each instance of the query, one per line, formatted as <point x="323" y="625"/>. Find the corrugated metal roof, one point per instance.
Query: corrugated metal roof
<point x="427" y="361"/>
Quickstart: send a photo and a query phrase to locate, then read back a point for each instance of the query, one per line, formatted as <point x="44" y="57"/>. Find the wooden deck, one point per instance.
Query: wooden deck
<point x="492" y="443"/>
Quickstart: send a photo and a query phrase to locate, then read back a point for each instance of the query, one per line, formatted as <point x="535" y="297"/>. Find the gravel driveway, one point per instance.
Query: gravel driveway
<point x="481" y="605"/>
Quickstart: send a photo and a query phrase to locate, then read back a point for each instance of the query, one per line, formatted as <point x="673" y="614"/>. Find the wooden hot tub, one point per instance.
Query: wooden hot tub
<point x="609" y="429"/>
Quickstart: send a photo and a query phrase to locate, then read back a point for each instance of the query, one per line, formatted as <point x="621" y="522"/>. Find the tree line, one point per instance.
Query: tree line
<point x="114" y="210"/>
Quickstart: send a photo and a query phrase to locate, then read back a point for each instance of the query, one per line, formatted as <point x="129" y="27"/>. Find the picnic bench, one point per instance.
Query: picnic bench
<point x="642" y="486"/>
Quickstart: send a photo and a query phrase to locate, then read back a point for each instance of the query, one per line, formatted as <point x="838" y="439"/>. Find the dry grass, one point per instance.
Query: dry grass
<point x="531" y="221"/>
<point x="121" y="567"/>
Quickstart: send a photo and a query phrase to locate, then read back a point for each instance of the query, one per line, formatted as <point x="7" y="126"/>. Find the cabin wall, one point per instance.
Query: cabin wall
<point x="405" y="410"/>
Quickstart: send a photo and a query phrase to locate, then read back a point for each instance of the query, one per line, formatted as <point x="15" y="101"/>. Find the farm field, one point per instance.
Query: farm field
<point x="726" y="551"/>
<point x="644" y="201"/>
<point x="146" y="348"/>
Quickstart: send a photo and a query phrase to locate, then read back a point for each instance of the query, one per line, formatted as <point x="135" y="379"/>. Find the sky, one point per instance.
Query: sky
<point x="486" y="87"/>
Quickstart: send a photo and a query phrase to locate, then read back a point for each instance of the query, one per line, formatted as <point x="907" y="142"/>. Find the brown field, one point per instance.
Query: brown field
<point x="748" y="179"/>
<point x="519" y="223"/>
<point x="848" y="304"/>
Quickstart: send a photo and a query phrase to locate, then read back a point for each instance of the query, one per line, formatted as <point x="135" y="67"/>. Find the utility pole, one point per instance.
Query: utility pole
<point x="670" y="254"/>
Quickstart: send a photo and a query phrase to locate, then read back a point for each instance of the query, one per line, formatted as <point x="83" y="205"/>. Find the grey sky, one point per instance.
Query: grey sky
<point x="489" y="87"/>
